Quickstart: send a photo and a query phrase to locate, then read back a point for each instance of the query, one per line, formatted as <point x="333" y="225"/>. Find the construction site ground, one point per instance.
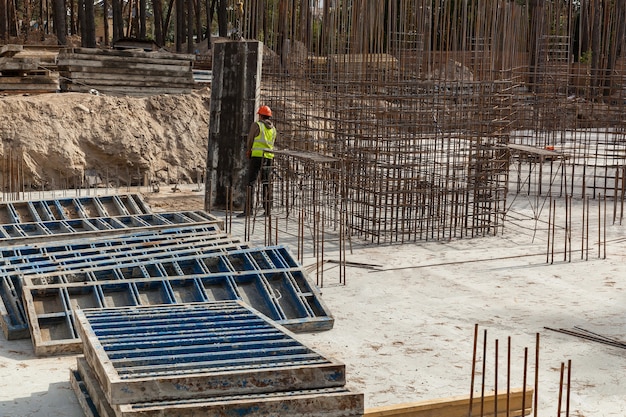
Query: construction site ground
<point x="406" y="317"/>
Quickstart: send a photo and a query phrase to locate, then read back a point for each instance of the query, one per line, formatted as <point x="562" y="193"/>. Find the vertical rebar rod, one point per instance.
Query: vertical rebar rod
<point x="524" y="381"/>
<point x="549" y="230"/>
<point x="495" y="379"/>
<point x="586" y="226"/>
<point x="604" y="230"/>
<point x="483" y="376"/>
<point x="471" y="394"/>
<point x="508" y="377"/>
<point x="569" y="384"/>
<point x="600" y="198"/>
<point x="536" y="393"/>
<point x="560" y="400"/>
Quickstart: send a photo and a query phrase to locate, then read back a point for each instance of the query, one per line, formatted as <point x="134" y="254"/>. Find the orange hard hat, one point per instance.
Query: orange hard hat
<point x="265" y="111"/>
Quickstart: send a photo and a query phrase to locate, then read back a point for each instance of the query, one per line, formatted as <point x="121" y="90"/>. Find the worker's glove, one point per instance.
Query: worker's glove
<point x="249" y="154"/>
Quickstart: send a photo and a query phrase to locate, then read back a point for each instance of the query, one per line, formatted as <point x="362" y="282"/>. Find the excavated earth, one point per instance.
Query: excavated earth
<point x="68" y="138"/>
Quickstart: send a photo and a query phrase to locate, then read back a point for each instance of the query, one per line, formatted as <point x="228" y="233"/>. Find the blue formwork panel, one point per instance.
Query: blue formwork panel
<point x="178" y="352"/>
<point x="72" y="208"/>
<point x="12" y="315"/>
<point x="283" y="295"/>
<point x="168" y="242"/>
<point x="323" y="402"/>
<point x="39" y="259"/>
<point x="71" y="228"/>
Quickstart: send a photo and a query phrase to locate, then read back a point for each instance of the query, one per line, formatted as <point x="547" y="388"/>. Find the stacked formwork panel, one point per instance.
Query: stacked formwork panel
<point x="204" y="359"/>
<point x="183" y="257"/>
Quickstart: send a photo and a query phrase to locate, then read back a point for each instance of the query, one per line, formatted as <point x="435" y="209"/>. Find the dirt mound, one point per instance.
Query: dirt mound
<point x="67" y="139"/>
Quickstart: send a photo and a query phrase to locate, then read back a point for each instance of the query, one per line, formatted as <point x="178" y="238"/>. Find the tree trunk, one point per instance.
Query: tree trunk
<point x="73" y="24"/>
<point x="118" y="21"/>
<point x="281" y="37"/>
<point x="59" y="15"/>
<point x="142" y="19"/>
<point x="222" y="18"/>
<point x="105" y="21"/>
<point x="4" y="29"/>
<point x="90" y="24"/>
<point x="617" y="38"/>
<point x="168" y="18"/>
<point x="12" y="18"/>
<point x="198" y="7"/>
<point x="40" y="21"/>
<point x="80" y="8"/>
<point x="596" y="34"/>
<point x="189" y="26"/>
<point x="180" y="24"/>
<point x="210" y="9"/>
<point x="131" y="21"/>
<point x="536" y="31"/>
<point x="27" y="16"/>
<point x="133" y="18"/>
<point x="305" y="22"/>
<point x="157" y="5"/>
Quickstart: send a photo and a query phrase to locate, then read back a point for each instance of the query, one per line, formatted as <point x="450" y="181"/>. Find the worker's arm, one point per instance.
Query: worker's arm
<point x="254" y="131"/>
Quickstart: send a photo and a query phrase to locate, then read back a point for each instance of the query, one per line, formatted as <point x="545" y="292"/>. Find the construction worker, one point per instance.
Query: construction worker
<point x="260" y="145"/>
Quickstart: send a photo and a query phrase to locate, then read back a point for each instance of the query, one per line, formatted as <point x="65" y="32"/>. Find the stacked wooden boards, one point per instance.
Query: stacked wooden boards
<point x="28" y="70"/>
<point x="221" y="359"/>
<point x="125" y="72"/>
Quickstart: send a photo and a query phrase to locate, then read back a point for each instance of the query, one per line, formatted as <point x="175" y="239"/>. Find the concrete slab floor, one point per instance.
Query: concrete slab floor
<point x="405" y="330"/>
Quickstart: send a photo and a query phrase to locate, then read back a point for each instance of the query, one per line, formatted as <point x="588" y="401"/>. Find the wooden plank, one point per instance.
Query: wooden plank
<point x="41" y="55"/>
<point x="115" y="60"/>
<point x="459" y="406"/>
<point x="26" y="92"/>
<point x="130" y="81"/>
<point x="28" y="88"/>
<point x="12" y="64"/>
<point x="124" y="91"/>
<point x="147" y="70"/>
<point x="137" y="53"/>
<point x="10" y="50"/>
<point x="36" y="80"/>
<point x="532" y="150"/>
<point x="70" y="65"/>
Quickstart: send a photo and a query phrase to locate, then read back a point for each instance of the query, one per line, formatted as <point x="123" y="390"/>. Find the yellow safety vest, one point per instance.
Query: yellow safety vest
<point x="263" y="143"/>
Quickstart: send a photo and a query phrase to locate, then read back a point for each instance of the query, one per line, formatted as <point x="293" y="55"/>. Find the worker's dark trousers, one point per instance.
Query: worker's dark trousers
<point x="258" y="166"/>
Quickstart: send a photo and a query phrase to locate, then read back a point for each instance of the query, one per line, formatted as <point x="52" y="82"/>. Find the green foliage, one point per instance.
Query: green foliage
<point x="585" y="58"/>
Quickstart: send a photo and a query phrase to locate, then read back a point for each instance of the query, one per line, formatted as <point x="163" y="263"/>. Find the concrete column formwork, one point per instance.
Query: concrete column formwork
<point x="235" y="92"/>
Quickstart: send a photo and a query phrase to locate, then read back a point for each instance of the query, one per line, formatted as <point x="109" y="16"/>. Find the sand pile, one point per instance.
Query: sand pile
<point x="67" y="139"/>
